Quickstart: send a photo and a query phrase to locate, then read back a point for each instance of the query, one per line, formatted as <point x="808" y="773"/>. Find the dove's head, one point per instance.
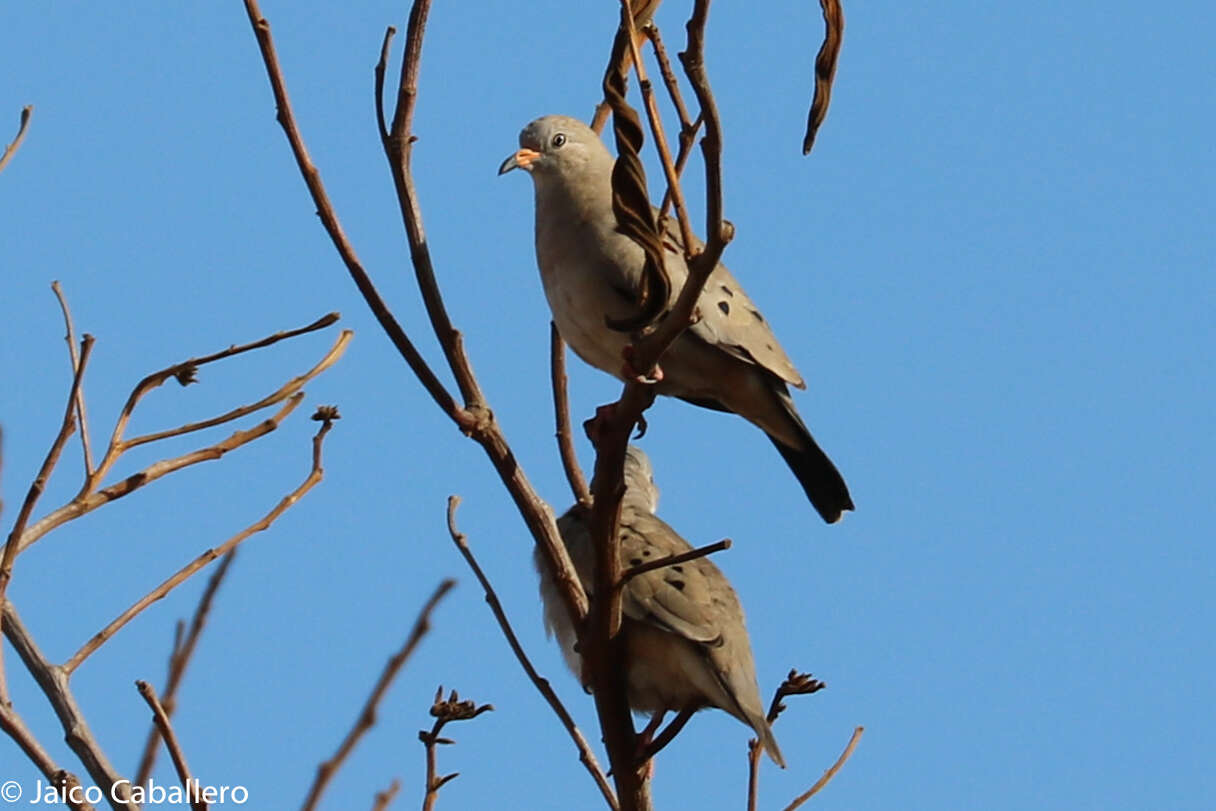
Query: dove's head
<point x="639" y="479"/>
<point x="558" y="150"/>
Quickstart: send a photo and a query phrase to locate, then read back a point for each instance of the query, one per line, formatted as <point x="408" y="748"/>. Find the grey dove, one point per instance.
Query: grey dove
<point x="728" y="361"/>
<point x="685" y="640"/>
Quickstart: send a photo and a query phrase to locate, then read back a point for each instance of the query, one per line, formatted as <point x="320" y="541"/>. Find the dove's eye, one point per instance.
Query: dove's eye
<point x="558" y="140"/>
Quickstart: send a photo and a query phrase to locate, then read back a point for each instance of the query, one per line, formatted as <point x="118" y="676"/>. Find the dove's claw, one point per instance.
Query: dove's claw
<point x="630" y="372"/>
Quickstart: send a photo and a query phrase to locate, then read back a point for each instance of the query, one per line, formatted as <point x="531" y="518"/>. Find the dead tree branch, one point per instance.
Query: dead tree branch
<point x="830" y="773"/>
<point x="476" y="418"/>
<point x="672" y="560"/>
<point x="367" y="716"/>
<point x="53" y="681"/>
<point x="585" y="755"/>
<point x="561" y="414"/>
<point x="13" y="546"/>
<point x="91" y="498"/>
<point x="161" y="719"/>
<point x="81" y="416"/>
<point x="67" y="783"/>
<point x="444" y="711"/>
<point x="179" y="659"/>
<point x="384" y="799"/>
<point x="314" y="476"/>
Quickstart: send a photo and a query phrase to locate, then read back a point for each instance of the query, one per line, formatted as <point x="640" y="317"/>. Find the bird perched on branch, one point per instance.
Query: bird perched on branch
<point x="685" y="641"/>
<point x="729" y="360"/>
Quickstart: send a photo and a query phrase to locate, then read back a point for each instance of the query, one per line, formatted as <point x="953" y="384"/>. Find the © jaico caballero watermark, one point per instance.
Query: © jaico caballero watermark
<point x="152" y="794"/>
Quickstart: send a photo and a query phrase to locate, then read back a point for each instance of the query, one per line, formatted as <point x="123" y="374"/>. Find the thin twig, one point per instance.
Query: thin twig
<point x="656" y="130"/>
<point x="161" y="718"/>
<point x="11" y="149"/>
<point x="92" y="499"/>
<point x="825" y="69"/>
<point x="184" y="645"/>
<point x="13" y="545"/>
<point x="672" y="560"/>
<point x="185" y="373"/>
<point x="398" y="149"/>
<point x="444" y="711"/>
<point x="688" y="128"/>
<point x="668" y="734"/>
<point x="585" y="754"/>
<point x="830" y="773"/>
<point x="81" y="417"/>
<point x="333" y="226"/>
<point x="561" y="414"/>
<point x="385" y="798"/>
<point x="795" y="684"/>
<point x="367" y="716"/>
<point x="314" y="476"/>
<point x="124" y="487"/>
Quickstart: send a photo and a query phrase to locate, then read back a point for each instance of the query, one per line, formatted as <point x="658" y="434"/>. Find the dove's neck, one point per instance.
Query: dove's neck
<point x="585" y="197"/>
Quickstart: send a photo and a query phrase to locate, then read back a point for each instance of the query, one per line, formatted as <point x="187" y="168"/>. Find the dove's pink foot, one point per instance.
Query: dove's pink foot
<point x="629" y="372"/>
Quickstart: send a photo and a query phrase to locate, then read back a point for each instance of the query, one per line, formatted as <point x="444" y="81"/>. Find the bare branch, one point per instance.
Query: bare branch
<point x="333" y="227"/>
<point x="81" y="417"/>
<point x="385" y="798"/>
<point x="444" y="711"/>
<point x="672" y="560"/>
<point x="53" y="681"/>
<point x="830" y="773"/>
<point x="561" y="413"/>
<point x="668" y="734"/>
<point x="183" y="649"/>
<point x="161" y="719"/>
<point x="795" y="684"/>
<point x="825" y="69"/>
<point x="398" y="148"/>
<point x="13" y="546"/>
<point x="585" y="755"/>
<point x="656" y="130"/>
<point x="314" y="476"/>
<point x="65" y="781"/>
<point x="81" y="506"/>
<point x="367" y="716"/>
<point x="185" y="373"/>
<point x="11" y="149"/>
<point x="90" y="499"/>
<point x="477" y="420"/>
<point x="688" y="128"/>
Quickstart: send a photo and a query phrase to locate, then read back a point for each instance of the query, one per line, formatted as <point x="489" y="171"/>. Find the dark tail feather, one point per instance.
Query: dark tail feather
<point x="819" y="478"/>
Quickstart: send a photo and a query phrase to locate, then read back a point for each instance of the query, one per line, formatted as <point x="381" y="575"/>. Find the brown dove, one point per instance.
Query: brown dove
<point x="685" y="640"/>
<point x="729" y="360"/>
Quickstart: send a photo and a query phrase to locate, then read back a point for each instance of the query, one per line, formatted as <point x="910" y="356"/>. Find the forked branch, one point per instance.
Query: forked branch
<point x="326" y="416"/>
<point x="444" y="711"/>
<point x="367" y="716"/>
<point x="585" y="754"/>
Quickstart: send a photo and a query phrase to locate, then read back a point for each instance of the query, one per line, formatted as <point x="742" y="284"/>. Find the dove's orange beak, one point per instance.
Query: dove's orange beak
<point x="520" y="160"/>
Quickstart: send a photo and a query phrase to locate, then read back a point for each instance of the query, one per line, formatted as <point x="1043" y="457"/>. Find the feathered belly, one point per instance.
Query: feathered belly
<point x="579" y="302"/>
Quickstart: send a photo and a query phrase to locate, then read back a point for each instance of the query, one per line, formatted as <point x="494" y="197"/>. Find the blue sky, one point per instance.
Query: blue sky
<point x="994" y="271"/>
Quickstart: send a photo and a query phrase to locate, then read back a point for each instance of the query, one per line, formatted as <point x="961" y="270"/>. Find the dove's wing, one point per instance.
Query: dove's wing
<point x="729" y="318"/>
<point x="678" y="598"/>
